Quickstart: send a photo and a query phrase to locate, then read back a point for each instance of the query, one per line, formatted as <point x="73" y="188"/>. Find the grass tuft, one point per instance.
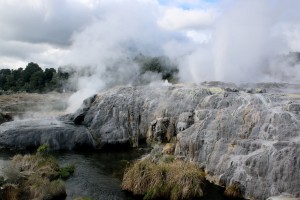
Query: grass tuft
<point x="37" y="176"/>
<point x="42" y="188"/>
<point x="10" y="191"/>
<point x="173" y="179"/>
<point x="233" y="191"/>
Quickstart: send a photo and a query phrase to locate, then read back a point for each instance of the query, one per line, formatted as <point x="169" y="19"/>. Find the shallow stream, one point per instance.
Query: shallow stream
<point x="98" y="175"/>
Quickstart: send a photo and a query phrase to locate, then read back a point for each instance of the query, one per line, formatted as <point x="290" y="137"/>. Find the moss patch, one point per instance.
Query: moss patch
<point x="67" y="171"/>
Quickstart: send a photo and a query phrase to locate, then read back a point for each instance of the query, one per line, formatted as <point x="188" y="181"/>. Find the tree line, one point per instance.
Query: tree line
<point x="32" y="79"/>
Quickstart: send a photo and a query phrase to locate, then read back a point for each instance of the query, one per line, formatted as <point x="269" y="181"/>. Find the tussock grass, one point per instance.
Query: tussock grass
<point x="10" y="191"/>
<point x="233" y="191"/>
<point x="12" y="175"/>
<point x="38" y="187"/>
<point x="44" y="165"/>
<point x="37" y="176"/>
<point x="169" y="148"/>
<point x="172" y="180"/>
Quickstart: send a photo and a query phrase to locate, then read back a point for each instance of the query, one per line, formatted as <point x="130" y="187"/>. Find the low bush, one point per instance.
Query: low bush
<point x="67" y="171"/>
<point x="173" y="180"/>
<point x="43" y="149"/>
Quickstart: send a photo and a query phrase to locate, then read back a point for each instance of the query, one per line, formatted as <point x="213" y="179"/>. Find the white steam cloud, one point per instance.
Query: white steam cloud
<point x="238" y="43"/>
<point x="246" y="38"/>
<point x="227" y="40"/>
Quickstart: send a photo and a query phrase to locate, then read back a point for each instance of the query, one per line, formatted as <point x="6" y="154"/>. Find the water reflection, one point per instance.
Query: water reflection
<point x="97" y="175"/>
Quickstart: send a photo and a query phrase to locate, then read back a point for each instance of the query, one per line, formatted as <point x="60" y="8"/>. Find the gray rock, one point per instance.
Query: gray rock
<point x="26" y="134"/>
<point x="4" y="117"/>
<point x="293" y="107"/>
<point x="284" y="197"/>
<point x="231" y="89"/>
<point x="237" y="137"/>
<point x="250" y="139"/>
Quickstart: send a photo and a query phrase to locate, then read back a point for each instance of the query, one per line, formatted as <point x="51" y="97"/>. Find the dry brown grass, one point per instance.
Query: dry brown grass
<point x="10" y="192"/>
<point x="36" y="176"/>
<point x="43" y="165"/>
<point x="38" y="187"/>
<point x="169" y="148"/>
<point x="173" y="180"/>
<point x="233" y="190"/>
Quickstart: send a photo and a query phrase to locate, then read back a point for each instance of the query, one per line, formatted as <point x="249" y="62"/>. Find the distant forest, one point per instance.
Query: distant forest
<point x="32" y="79"/>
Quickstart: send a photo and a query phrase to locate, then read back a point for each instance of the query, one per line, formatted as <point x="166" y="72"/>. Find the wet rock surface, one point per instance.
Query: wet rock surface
<point x="247" y="137"/>
<point x="4" y="117"/>
<point x="26" y="134"/>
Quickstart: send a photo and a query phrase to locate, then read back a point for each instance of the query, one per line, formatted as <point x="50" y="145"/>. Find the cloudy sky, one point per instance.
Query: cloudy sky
<point x="227" y="40"/>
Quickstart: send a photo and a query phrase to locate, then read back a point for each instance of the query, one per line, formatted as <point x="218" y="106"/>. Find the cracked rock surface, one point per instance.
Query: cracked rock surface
<point x="248" y="135"/>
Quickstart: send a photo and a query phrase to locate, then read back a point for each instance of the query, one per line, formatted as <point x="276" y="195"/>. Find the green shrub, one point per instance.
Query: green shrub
<point x="82" y="198"/>
<point x="43" y="149"/>
<point x="67" y="171"/>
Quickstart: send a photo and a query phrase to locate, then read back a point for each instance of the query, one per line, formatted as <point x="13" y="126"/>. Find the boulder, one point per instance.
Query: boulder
<point x="32" y="133"/>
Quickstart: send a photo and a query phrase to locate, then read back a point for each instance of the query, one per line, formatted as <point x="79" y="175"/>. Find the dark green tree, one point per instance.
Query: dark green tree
<point x="30" y="69"/>
<point x="37" y="82"/>
<point x="161" y="65"/>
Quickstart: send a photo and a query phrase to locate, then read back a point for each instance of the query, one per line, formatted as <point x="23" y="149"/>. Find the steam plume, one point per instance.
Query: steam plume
<point x="233" y="41"/>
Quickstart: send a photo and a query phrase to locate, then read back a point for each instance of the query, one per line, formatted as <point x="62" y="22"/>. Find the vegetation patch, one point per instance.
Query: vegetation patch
<point x="67" y="171"/>
<point x="174" y="179"/>
<point x="82" y="198"/>
<point x="233" y="191"/>
<point x="32" y="79"/>
<point x="36" y="176"/>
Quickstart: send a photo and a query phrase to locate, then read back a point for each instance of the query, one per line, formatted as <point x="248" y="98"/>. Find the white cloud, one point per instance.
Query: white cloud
<point x="178" y="18"/>
<point x="202" y="36"/>
<point x="292" y="34"/>
<point x="48" y="21"/>
<point x="225" y="40"/>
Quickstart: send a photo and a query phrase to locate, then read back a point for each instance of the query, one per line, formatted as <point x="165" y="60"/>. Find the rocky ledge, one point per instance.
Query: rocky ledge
<point x="26" y="134"/>
<point x="247" y="136"/>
